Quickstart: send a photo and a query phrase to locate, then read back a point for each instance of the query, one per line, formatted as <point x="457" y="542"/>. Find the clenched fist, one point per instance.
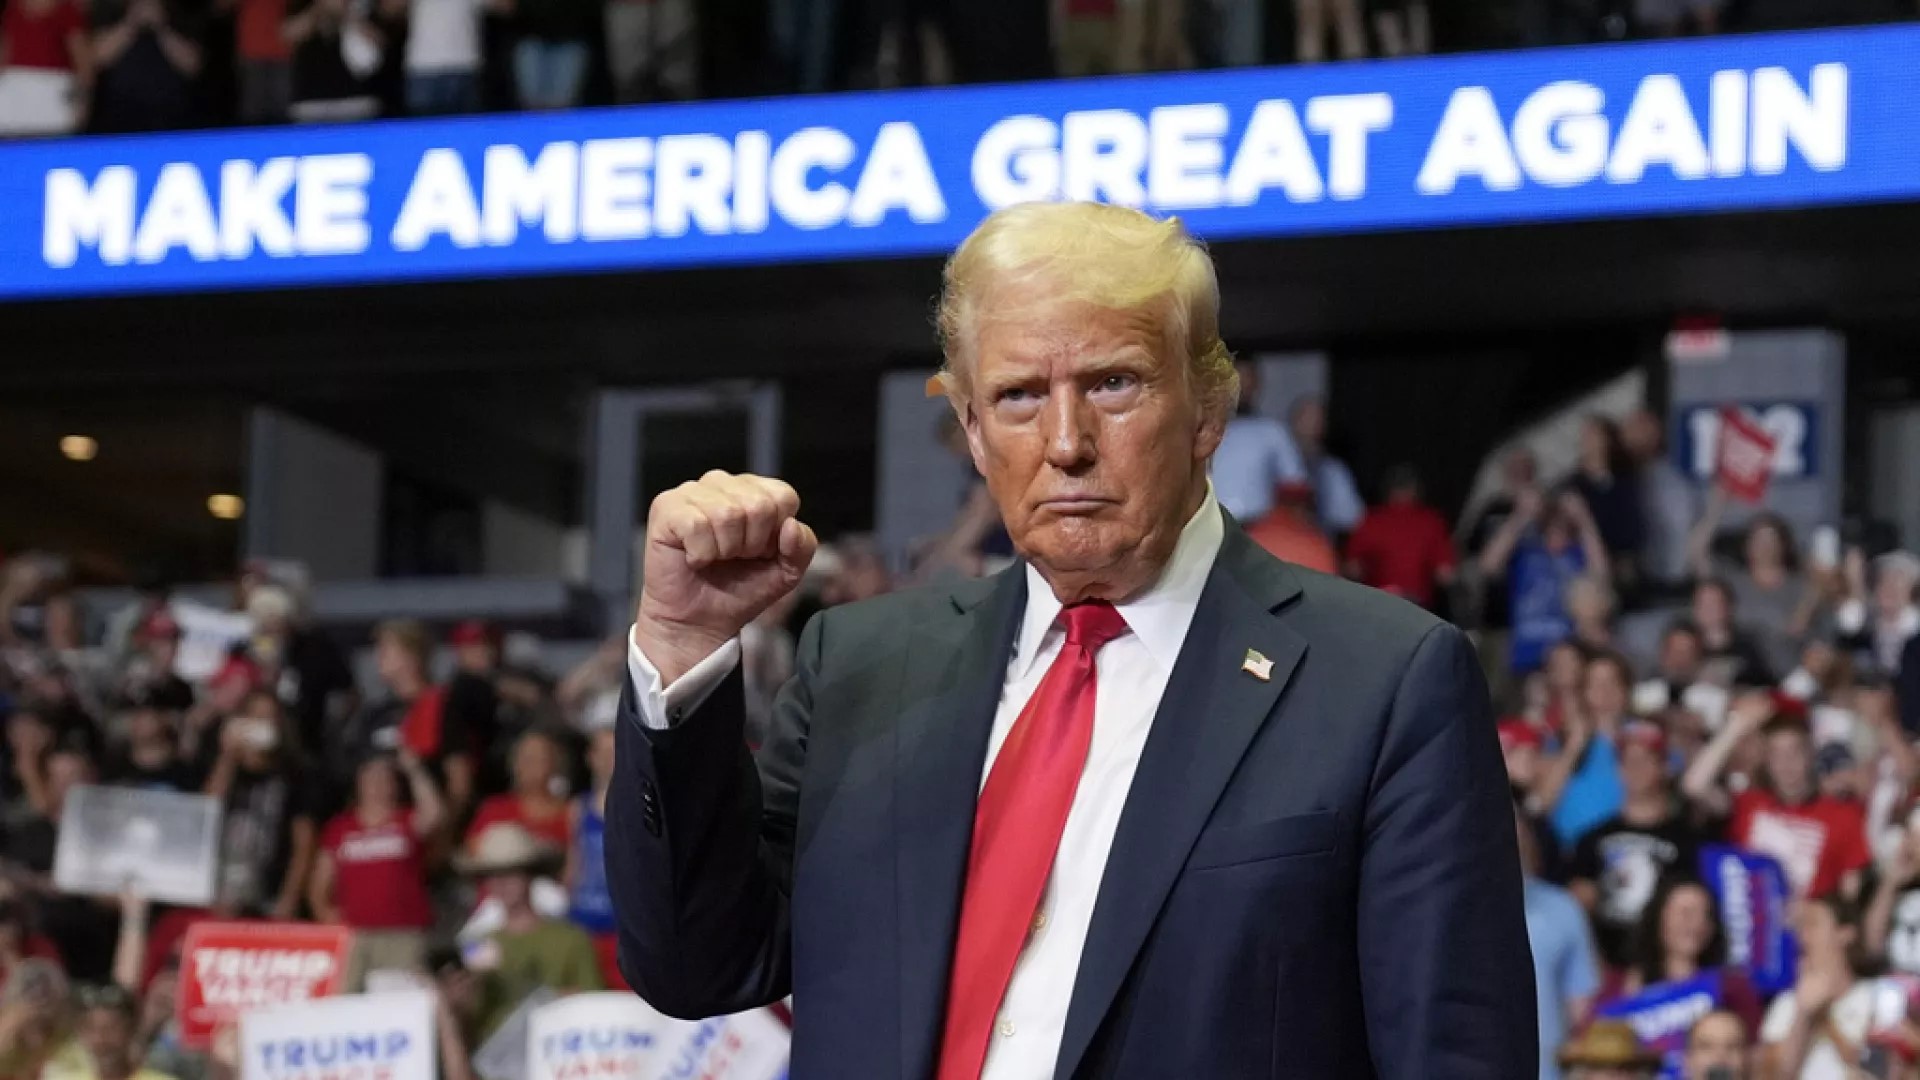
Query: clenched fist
<point x="720" y="551"/>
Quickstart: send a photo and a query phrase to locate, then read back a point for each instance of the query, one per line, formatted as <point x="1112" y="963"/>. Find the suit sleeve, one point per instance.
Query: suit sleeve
<point x="700" y="844"/>
<point x="1445" y="969"/>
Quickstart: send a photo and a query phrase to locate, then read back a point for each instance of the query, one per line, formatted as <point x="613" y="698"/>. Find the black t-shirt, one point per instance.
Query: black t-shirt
<point x="1746" y="663"/>
<point x="1625" y="862"/>
<point x="257" y="835"/>
<point x="1496" y="611"/>
<point x="320" y="71"/>
<point x="142" y="90"/>
<point x="313" y="675"/>
<point x="176" y="775"/>
<point x="168" y="692"/>
<point x="1617" y="510"/>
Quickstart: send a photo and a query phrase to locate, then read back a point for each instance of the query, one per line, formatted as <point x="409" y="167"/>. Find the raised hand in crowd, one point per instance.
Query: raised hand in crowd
<point x="1702" y="781"/>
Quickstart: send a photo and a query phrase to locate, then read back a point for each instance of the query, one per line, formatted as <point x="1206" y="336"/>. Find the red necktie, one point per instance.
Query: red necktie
<point x="1016" y="831"/>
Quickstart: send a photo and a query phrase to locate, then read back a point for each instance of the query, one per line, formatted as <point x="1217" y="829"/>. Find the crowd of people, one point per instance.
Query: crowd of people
<point x="144" y="65"/>
<point x="1666" y="683"/>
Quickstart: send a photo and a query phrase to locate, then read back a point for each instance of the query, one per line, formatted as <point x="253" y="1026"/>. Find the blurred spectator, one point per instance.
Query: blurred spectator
<point x="1734" y="655"/>
<point x="863" y="572"/>
<point x="263" y="60"/>
<point x="1310" y="19"/>
<point x="1606" y="480"/>
<point x="1907" y="685"/>
<point x="1089" y="38"/>
<point x="913" y="44"/>
<point x="1518" y="473"/>
<point x="1608" y="1050"/>
<point x="1765" y="581"/>
<point x="302" y="665"/>
<point x="337" y="50"/>
<point x="1335" y="495"/>
<point x="1821" y="842"/>
<point x="80" y="927"/>
<point x="36" y="608"/>
<point x="550" y="60"/>
<point x="272" y="802"/>
<point x="1566" y="683"/>
<point x="1616" y="867"/>
<point x="1825" y="674"/>
<point x="1564" y="975"/>
<point x="766" y="663"/>
<point x="416" y="715"/>
<point x="802" y="33"/>
<point x="146" y="56"/>
<point x="1590" y="609"/>
<point x="150" y="758"/>
<point x="1289" y="531"/>
<point x="1582" y="788"/>
<point x="1679" y="665"/>
<point x="1228" y="33"/>
<point x="105" y="1045"/>
<point x="528" y="951"/>
<point x="1402" y="546"/>
<point x="653" y="47"/>
<point x="1717" y="1049"/>
<point x="1877" y="629"/>
<point x="371" y="870"/>
<point x="1680" y="937"/>
<point x="44" y="67"/>
<point x="537" y="801"/>
<point x="1256" y="455"/>
<point x="17" y="942"/>
<point x="1892" y="927"/>
<point x="34" y="1017"/>
<point x="458" y="990"/>
<point x="977" y="533"/>
<point x="1402" y="27"/>
<point x="151" y="678"/>
<point x="444" y="52"/>
<point x="473" y="697"/>
<point x="1817" y="1030"/>
<point x="589" y="900"/>
<point x="1521" y="745"/>
<point x="1538" y="550"/>
<point x="1669" y="503"/>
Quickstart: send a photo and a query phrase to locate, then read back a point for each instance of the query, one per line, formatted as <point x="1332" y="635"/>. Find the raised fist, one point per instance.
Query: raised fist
<point x="720" y="551"/>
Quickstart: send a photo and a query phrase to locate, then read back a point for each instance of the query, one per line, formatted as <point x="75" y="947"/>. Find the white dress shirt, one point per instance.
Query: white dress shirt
<point x="1132" y="671"/>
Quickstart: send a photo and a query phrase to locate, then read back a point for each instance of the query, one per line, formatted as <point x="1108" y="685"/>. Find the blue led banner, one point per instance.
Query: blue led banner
<point x="1738" y="123"/>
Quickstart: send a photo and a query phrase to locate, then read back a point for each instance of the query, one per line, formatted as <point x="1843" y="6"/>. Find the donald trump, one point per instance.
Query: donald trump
<point x="1150" y="804"/>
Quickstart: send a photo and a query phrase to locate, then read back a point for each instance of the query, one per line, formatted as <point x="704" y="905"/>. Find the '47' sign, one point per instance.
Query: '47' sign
<point x="1794" y="426"/>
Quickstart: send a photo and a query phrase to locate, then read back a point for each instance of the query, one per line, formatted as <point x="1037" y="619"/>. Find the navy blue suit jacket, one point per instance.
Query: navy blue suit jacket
<point x="1315" y="875"/>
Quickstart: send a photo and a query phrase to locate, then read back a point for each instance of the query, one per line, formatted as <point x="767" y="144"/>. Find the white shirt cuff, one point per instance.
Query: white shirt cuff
<point x="662" y="707"/>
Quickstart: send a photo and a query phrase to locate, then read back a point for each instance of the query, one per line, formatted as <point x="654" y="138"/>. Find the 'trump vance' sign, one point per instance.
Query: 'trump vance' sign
<point x="1711" y="124"/>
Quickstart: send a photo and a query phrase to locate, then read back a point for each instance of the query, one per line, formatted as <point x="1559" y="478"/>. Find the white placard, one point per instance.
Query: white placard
<point x="206" y="633"/>
<point x="360" y="1037"/>
<point x="164" y="843"/>
<point x="620" y="1037"/>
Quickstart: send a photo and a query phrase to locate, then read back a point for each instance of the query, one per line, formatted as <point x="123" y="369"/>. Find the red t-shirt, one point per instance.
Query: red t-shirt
<point x="379" y="872"/>
<point x="39" y="39"/>
<point x="501" y="809"/>
<point x="1817" y="843"/>
<point x="259" y="30"/>
<point x="1400" y="546"/>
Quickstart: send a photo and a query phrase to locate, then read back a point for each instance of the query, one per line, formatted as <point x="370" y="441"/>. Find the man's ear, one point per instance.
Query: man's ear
<point x="1210" y="426"/>
<point x="970" y="423"/>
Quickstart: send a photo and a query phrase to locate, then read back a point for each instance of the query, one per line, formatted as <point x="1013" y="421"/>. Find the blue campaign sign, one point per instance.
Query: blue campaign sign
<point x="1737" y="123"/>
<point x="1794" y="425"/>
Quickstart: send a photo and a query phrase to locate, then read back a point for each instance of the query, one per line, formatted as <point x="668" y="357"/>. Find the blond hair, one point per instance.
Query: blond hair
<point x="1109" y="256"/>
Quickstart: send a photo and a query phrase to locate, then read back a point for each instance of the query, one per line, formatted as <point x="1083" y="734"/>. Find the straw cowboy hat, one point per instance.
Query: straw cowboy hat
<point x="507" y="848"/>
<point x="1609" y="1044"/>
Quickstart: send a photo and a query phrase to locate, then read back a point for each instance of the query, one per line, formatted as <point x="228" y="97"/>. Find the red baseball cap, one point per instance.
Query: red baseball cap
<point x="1517" y="732"/>
<point x="473" y="632"/>
<point x="1644" y="733"/>
<point x="160" y="624"/>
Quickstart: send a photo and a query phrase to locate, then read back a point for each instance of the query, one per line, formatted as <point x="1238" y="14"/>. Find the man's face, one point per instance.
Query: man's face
<point x="1519" y="470"/>
<point x="1718" y="1041"/>
<point x="1642" y="769"/>
<point x="476" y="657"/>
<point x="1680" y="657"/>
<point x="1641" y="433"/>
<point x="107" y="1034"/>
<point x="512" y="889"/>
<point x="1091" y="440"/>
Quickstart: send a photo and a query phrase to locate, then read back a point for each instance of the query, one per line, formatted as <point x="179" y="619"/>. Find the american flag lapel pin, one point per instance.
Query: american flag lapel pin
<point x="1257" y="665"/>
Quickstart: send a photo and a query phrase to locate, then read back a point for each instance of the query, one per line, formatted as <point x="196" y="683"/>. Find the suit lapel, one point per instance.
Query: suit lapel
<point x="1208" y="715"/>
<point x="955" y="668"/>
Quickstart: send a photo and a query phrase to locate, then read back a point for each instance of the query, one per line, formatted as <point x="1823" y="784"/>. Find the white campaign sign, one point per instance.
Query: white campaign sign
<point x="362" y="1037"/>
<point x="165" y="843"/>
<point x="620" y="1037"/>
